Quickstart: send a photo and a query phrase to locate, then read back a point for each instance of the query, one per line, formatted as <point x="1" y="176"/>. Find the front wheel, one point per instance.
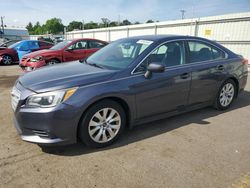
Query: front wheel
<point x="226" y="95"/>
<point x="103" y="124"/>
<point x="7" y="60"/>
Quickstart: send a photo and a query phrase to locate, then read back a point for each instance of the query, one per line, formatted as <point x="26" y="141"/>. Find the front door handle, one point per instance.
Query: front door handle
<point x="220" y="67"/>
<point x="184" y="75"/>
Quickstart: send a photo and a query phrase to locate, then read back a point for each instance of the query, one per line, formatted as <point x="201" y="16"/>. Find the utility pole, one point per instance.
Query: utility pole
<point x="82" y="24"/>
<point x="2" y="25"/>
<point x="119" y="19"/>
<point x="183" y="14"/>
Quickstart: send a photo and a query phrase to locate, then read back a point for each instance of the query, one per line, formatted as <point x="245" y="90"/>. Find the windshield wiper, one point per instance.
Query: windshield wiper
<point x="95" y="65"/>
<point x="92" y="64"/>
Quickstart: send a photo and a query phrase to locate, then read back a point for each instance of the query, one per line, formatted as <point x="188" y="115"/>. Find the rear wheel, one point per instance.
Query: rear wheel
<point x="53" y="62"/>
<point x="226" y="95"/>
<point x="103" y="124"/>
<point x="7" y="60"/>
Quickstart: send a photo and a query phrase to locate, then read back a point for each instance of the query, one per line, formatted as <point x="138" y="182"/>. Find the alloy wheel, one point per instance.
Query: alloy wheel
<point x="7" y="60"/>
<point x="104" y="125"/>
<point x="226" y="94"/>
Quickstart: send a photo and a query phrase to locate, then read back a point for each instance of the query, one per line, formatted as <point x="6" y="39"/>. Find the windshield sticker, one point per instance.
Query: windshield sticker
<point x="147" y="42"/>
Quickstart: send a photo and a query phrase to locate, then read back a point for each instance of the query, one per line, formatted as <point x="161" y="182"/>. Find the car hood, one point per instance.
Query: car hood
<point x="64" y="75"/>
<point x="41" y="53"/>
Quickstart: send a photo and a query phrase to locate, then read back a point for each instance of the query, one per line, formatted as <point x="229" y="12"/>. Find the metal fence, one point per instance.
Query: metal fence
<point x="231" y="30"/>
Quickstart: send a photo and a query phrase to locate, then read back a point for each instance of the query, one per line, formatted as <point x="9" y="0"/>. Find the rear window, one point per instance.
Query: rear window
<point x="199" y="51"/>
<point x="43" y="44"/>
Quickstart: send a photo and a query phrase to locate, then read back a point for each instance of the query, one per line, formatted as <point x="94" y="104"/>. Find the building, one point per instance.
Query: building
<point x="14" y="33"/>
<point x="230" y="30"/>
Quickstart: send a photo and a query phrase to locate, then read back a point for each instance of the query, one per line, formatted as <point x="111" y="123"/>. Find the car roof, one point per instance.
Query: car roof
<point x="165" y="37"/>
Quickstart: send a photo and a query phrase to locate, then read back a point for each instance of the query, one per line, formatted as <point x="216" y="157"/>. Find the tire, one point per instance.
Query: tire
<point x="7" y="60"/>
<point x="53" y="62"/>
<point x="97" y="131"/>
<point x="226" y="95"/>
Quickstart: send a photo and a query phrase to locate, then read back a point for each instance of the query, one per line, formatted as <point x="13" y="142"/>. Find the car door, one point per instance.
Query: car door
<point x="206" y="62"/>
<point x="167" y="91"/>
<point x="75" y="51"/>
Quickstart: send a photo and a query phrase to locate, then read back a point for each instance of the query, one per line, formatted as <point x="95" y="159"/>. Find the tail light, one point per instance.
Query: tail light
<point x="245" y="61"/>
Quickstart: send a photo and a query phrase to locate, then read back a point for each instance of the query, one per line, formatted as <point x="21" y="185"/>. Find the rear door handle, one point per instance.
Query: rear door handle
<point x="184" y="75"/>
<point x="220" y="67"/>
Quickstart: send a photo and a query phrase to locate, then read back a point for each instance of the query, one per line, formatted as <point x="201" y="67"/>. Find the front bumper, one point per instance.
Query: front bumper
<point x="46" y="126"/>
<point x="39" y="140"/>
<point x="27" y="65"/>
<point x="57" y="126"/>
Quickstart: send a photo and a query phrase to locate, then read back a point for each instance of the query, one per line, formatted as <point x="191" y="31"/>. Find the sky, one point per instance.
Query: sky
<point x="20" y="12"/>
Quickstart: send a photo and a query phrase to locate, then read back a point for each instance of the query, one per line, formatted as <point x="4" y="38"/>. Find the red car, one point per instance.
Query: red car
<point x="68" y="50"/>
<point x="15" y="52"/>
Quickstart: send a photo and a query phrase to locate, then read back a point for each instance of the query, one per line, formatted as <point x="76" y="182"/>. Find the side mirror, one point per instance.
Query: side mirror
<point x="154" y="68"/>
<point x="82" y="60"/>
<point x="69" y="50"/>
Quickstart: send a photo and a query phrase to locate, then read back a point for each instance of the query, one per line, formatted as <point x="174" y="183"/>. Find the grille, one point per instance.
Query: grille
<point x="40" y="133"/>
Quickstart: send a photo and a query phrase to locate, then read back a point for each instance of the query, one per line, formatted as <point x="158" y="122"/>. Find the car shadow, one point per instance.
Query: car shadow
<point x="15" y="63"/>
<point x="155" y="128"/>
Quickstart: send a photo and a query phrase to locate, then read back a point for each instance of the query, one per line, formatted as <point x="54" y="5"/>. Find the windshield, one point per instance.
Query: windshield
<point x="15" y="44"/>
<point x="120" y="54"/>
<point x="61" y="45"/>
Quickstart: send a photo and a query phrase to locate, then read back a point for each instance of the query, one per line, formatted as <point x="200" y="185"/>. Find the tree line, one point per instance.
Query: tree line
<point x="55" y="26"/>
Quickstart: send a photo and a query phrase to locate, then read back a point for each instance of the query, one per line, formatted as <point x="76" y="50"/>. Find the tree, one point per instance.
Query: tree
<point x="74" y="25"/>
<point x="91" y="25"/>
<point x="29" y="27"/>
<point x="126" y="22"/>
<point x="113" y="24"/>
<point x="137" y="23"/>
<point x="150" y="21"/>
<point x="54" y="26"/>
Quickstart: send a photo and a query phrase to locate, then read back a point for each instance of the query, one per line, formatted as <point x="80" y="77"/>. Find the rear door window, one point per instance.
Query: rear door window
<point x="199" y="52"/>
<point x="96" y="44"/>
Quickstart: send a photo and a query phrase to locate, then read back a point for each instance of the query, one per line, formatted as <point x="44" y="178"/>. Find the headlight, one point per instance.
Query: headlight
<point x="35" y="59"/>
<point x="50" y="99"/>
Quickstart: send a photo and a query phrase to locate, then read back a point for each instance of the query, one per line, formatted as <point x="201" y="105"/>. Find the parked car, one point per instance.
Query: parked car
<point x="69" y="50"/>
<point x="129" y="82"/>
<point x="57" y="39"/>
<point x="16" y="51"/>
<point x="8" y="43"/>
